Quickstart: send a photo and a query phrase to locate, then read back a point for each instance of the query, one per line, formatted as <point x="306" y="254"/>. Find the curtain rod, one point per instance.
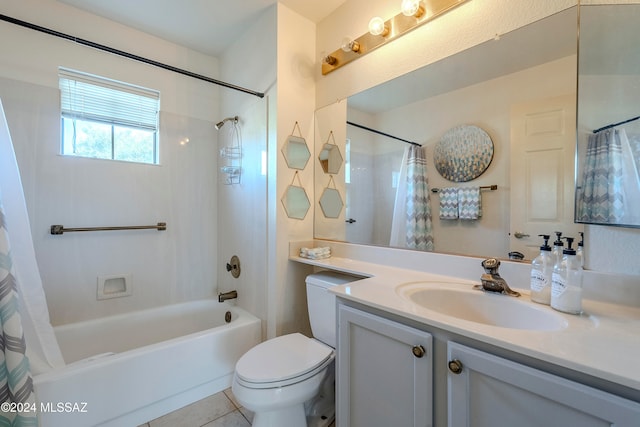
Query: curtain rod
<point x="616" y="124"/>
<point x="382" y="133"/>
<point x="128" y="55"/>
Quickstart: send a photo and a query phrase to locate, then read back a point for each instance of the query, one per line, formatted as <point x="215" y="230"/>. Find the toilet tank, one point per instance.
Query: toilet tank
<point x="322" y="304"/>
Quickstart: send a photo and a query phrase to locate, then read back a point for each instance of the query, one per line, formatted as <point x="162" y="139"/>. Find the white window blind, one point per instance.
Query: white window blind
<point x="88" y="97"/>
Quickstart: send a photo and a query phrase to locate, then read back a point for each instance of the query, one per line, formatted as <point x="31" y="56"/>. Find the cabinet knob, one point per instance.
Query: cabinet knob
<point x="455" y="366"/>
<point x="418" y="351"/>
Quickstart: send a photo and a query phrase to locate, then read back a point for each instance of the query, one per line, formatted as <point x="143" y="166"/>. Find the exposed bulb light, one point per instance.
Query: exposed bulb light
<point x="377" y="27"/>
<point x="412" y="8"/>
<point x="350" y="45"/>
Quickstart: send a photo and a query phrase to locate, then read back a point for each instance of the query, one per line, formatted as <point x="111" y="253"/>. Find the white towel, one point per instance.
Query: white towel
<point x="315" y="253"/>
<point x="469" y="203"/>
<point x="448" y="203"/>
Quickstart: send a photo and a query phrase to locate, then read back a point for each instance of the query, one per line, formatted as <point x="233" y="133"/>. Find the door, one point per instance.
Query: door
<point x="384" y="372"/>
<point x="487" y="391"/>
<point x="543" y="140"/>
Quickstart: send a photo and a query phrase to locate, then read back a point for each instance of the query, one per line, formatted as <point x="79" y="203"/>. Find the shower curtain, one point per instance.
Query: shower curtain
<point x="411" y="226"/>
<point x="17" y="400"/>
<point x="610" y="180"/>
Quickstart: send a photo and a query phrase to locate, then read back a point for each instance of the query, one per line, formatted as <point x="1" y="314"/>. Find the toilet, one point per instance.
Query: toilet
<point x="289" y="381"/>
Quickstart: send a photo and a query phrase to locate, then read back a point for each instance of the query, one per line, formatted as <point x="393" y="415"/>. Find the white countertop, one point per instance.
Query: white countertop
<point x="603" y="342"/>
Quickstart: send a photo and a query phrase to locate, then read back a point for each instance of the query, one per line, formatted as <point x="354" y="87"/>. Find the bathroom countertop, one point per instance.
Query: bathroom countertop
<point x="602" y="342"/>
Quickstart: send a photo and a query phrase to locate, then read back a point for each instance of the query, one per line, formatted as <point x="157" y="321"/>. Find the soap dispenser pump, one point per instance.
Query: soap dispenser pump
<point x="558" y="247"/>
<point x="580" y="251"/>
<point x="541" y="273"/>
<point x="566" y="282"/>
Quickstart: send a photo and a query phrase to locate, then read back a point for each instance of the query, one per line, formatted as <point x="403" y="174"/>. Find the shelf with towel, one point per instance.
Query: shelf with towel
<point x="482" y="188"/>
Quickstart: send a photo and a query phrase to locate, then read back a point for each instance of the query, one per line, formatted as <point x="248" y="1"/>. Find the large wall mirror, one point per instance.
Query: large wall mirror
<point x="608" y="184"/>
<point x="519" y="88"/>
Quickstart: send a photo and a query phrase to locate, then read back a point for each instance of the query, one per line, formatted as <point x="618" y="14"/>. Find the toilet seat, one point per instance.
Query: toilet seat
<point x="282" y="361"/>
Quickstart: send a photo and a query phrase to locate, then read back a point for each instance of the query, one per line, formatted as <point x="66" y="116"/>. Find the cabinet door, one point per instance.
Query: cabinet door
<point x="384" y="372"/>
<point x="491" y="391"/>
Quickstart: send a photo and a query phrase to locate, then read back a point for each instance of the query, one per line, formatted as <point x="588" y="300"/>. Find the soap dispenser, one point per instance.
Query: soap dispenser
<point x="580" y="251"/>
<point x="541" y="273"/>
<point x="558" y="247"/>
<point x="566" y="282"/>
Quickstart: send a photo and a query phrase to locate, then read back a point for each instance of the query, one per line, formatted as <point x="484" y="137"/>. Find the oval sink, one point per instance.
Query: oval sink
<point x="481" y="307"/>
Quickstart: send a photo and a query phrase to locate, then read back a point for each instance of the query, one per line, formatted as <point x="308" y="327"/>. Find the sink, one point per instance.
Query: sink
<point x="463" y="302"/>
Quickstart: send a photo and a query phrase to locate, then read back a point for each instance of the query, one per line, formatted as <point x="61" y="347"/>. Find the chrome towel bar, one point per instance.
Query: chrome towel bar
<point x="59" y="229"/>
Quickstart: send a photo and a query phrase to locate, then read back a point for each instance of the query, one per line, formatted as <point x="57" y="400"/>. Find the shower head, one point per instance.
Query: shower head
<point x="221" y="123"/>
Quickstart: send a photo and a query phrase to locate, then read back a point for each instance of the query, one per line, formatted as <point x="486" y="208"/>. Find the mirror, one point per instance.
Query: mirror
<point x="295" y="152"/>
<point x="483" y="86"/>
<point x="331" y="203"/>
<point x="296" y="202"/>
<point x="607" y="182"/>
<point x="330" y="158"/>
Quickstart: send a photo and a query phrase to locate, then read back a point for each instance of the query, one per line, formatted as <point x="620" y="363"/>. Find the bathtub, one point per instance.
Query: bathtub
<point x="127" y="369"/>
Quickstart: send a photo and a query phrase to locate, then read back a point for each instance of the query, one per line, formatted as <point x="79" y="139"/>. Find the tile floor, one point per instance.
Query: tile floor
<point x="219" y="410"/>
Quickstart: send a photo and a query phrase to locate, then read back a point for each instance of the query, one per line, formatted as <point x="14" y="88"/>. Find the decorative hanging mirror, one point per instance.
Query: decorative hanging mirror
<point x="330" y="157"/>
<point x="295" y="151"/>
<point x="295" y="200"/>
<point x="330" y="201"/>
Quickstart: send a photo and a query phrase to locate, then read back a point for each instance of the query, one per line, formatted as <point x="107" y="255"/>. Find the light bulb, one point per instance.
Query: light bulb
<point x="412" y="8"/>
<point x="350" y="45"/>
<point x="377" y="27"/>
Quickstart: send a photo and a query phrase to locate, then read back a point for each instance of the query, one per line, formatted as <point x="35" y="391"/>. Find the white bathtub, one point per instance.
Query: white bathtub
<point x="127" y="369"/>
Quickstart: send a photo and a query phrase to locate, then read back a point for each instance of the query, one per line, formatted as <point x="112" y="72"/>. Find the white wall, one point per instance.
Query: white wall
<point x="242" y="209"/>
<point x="170" y="266"/>
<point x="295" y="103"/>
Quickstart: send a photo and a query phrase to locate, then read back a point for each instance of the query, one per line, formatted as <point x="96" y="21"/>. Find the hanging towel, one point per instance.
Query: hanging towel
<point x="469" y="203"/>
<point x="449" y="203"/>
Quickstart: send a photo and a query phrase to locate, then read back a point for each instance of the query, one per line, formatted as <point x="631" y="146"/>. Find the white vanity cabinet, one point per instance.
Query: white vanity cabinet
<point x="384" y="372"/>
<point x="486" y="390"/>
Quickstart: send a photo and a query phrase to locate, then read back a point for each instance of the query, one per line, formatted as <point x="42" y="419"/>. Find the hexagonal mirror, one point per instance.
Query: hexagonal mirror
<point x="296" y="152"/>
<point x="330" y="158"/>
<point x="331" y="203"/>
<point x="295" y="202"/>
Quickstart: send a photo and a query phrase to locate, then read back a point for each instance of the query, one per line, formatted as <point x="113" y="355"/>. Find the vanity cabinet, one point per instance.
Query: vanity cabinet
<point x="380" y="382"/>
<point x="487" y="390"/>
<point x="384" y="372"/>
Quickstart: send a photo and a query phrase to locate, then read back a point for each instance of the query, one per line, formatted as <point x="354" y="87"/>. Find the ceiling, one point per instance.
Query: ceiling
<point x="208" y="26"/>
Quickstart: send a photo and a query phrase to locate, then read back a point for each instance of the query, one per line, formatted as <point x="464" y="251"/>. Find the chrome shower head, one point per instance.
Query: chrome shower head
<point x="221" y="123"/>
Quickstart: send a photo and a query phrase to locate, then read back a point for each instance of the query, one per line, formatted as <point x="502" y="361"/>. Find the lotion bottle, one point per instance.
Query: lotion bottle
<point x="566" y="282"/>
<point x="541" y="273"/>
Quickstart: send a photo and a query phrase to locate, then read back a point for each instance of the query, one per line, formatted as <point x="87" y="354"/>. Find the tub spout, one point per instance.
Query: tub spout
<point x="223" y="296"/>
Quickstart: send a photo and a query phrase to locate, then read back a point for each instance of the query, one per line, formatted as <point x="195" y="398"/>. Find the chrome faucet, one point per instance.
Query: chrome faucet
<point x="491" y="280"/>
<point x="223" y="296"/>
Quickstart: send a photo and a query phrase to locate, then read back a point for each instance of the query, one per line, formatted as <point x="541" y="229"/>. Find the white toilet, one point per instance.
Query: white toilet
<point x="288" y="381"/>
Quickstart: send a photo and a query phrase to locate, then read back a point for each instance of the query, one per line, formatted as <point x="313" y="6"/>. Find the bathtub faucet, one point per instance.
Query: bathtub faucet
<point x="223" y="296"/>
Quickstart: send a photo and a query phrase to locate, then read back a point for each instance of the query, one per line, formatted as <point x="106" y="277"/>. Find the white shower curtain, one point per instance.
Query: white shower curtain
<point x="411" y="226"/>
<point x="42" y="347"/>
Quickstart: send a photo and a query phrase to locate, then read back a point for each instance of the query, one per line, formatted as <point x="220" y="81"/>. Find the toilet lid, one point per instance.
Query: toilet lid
<point x="282" y="358"/>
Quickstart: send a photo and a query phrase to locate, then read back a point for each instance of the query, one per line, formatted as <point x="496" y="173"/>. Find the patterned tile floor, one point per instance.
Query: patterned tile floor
<point x="219" y="410"/>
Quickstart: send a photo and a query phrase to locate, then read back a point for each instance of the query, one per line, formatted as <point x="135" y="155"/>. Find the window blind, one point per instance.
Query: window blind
<point x="88" y="97"/>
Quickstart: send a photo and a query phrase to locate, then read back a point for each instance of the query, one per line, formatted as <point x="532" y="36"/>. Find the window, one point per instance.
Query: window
<point x="107" y="119"/>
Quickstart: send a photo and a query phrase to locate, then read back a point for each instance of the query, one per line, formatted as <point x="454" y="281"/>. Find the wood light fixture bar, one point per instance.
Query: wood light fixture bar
<point x="393" y="28"/>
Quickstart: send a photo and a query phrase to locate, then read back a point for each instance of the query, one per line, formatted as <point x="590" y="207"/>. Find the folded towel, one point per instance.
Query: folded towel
<point x="315" y="253"/>
<point x="449" y="203"/>
<point x="469" y="203"/>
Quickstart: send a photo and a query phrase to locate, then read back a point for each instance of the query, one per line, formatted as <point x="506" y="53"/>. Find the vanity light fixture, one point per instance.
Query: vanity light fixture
<point x="413" y="14"/>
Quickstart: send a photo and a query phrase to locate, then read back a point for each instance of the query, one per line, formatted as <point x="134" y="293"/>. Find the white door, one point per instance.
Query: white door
<point x="543" y="140"/>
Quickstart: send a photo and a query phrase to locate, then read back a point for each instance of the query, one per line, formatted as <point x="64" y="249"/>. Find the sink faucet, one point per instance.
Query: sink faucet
<point x="491" y="280"/>
<point x="223" y="296"/>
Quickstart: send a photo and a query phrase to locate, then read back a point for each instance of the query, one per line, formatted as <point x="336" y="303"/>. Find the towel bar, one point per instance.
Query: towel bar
<point x="484" y="187"/>
<point x="59" y="229"/>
